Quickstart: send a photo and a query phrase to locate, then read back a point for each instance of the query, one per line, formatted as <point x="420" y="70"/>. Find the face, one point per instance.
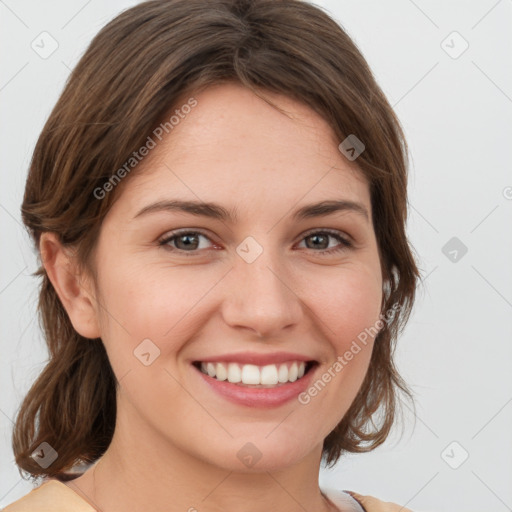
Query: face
<point x="260" y="294"/>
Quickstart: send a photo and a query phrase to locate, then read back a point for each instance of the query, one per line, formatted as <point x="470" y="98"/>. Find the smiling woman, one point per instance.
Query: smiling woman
<point x="223" y="316"/>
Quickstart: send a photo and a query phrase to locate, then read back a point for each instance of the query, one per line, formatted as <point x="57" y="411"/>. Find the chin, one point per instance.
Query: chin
<point x="253" y="454"/>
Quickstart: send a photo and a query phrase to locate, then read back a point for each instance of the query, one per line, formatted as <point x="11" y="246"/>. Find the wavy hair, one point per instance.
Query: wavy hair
<point x="134" y="72"/>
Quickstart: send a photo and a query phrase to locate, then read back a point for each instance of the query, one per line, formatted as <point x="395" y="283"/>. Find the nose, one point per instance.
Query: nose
<point x="261" y="297"/>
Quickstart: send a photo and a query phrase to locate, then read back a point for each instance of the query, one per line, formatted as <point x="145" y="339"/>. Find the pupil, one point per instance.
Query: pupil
<point x="187" y="237"/>
<point x="318" y="237"/>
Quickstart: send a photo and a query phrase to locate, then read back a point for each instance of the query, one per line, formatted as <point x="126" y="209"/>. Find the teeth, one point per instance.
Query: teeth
<point x="293" y="372"/>
<point x="283" y="373"/>
<point x="250" y="374"/>
<point x="268" y="375"/>
<point x="210" y="368"/>
<point x="221" y="372"/>
<point x="234" y="373"/>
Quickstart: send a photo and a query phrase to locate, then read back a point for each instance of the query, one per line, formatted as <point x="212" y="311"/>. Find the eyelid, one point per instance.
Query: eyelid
<point x="179" y="231"/>
<point x="329" y="231"/>
<point x="346" y="241"/>
<point x="182" y="231"/>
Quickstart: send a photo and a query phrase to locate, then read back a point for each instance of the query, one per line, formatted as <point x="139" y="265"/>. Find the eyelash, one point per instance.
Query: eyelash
<point x="344" y="243"/>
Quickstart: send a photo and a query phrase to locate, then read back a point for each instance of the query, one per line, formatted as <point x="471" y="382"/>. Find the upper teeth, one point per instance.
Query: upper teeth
<point x="270" y="374"/>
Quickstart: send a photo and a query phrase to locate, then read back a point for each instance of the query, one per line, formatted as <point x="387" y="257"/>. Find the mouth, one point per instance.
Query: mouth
<point x="255" y="376"/>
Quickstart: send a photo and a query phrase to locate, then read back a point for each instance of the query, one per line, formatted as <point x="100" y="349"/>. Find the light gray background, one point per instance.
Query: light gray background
<point x="456" y="352"/>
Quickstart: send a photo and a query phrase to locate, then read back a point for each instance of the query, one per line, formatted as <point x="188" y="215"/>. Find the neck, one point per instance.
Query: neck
<point x="143" y="470"/>
<point x="134" y="474"/>
<point x="125" y="481"/>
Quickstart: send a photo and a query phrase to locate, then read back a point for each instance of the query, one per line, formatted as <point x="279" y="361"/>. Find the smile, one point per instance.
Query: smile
<point x="270" y="375"/>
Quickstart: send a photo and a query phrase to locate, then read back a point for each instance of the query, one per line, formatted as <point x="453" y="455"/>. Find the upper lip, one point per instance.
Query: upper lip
<point x="256" y="358"/>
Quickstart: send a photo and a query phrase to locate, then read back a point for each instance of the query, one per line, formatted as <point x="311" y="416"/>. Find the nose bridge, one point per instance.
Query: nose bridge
<point x="261" y="297"/>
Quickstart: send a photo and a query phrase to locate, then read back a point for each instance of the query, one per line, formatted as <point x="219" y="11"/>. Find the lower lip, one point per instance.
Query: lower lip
<point x="258" y="397"/>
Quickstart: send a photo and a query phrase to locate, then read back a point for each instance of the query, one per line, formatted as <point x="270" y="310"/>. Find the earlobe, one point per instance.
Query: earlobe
<point x="74" y="291"/>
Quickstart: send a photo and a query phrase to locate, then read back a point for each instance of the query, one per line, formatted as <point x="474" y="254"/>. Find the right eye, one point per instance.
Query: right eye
<point x="186" y="242"/>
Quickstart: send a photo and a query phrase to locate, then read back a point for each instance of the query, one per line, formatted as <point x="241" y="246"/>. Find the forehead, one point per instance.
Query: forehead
<point x="236" y="149"/>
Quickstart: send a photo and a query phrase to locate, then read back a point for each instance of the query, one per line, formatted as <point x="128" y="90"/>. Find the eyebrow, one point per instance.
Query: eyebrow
<point x="216" y="211"/>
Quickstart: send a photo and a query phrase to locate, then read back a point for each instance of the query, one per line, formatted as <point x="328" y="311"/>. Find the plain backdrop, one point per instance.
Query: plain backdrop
<point x="446" y="68"/>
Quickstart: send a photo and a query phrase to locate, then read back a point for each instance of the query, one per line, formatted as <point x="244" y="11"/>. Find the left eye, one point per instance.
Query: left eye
<point x="323" y="236"/>
<point x="188" y="243"/>
<point x="187" y="239"/>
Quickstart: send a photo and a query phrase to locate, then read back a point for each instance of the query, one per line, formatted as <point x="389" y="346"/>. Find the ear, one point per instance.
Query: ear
<point x="74" y="291"/>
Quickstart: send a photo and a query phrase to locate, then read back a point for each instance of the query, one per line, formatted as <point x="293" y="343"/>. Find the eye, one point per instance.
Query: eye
<point x="183" y="241"/>
<point x="320" y="239"/>
<point x="187" y="242"/>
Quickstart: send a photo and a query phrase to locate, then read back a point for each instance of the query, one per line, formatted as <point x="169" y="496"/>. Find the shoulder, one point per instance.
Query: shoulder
<point x="372" y="504"/>
<point x="51" y="496"/>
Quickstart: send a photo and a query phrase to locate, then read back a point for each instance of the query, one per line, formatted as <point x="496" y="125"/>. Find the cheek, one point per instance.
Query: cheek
<point x="347" y="307"/>
<point x="347" y="303"/>
<point x="155" y="302"/>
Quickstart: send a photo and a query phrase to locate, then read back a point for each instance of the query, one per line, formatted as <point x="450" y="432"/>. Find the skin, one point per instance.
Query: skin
<point x="176" y="441"/>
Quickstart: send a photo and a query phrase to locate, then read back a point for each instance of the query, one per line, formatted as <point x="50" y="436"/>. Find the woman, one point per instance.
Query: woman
<point x="219" y="201"/>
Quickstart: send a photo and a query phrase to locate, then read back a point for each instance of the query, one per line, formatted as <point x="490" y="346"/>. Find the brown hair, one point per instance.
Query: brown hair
<point x="133" y="73"/>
